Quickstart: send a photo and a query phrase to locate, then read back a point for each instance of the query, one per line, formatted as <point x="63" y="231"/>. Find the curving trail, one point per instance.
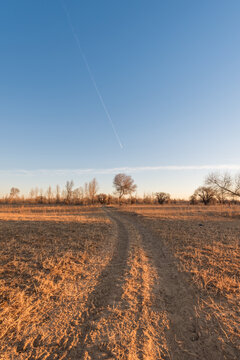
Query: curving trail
<point x="142" y="307"/>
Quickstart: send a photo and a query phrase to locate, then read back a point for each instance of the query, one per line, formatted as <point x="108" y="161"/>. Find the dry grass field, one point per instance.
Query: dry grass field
<point x="205" y="241"/>
<point x="51" y="258"/>
<point x="139" y="282"/>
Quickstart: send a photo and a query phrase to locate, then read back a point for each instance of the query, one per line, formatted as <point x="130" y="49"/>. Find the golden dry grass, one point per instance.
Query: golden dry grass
<point x="206" y="242"/>
<point x="142" y="282"/>
<point x="178" y="211"/>
<point x="50" y="260"/>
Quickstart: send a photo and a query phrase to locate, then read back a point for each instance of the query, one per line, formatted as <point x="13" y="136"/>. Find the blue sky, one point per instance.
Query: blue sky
<point x="168" y="72"/>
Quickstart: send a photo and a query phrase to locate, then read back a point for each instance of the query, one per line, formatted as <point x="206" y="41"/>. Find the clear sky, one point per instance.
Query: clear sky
<point x="167" y="71"/>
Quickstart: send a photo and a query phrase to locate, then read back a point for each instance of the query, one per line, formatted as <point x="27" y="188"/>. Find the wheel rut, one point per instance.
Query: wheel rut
<point x="107" y="291"/>
<point x="142" y="307"/>
<point x="138" y="335"/>
<point x="175" y="294"/>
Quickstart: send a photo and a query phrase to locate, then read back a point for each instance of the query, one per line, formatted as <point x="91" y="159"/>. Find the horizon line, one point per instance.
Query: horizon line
<point x="106" y="171"/>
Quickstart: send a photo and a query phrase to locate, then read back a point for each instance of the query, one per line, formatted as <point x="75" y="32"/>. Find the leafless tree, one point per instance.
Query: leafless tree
<point x="58" y="192"/>
<point x="32" y="194"/>
<point x="162" y="197"/>
<point x="224" y="183"/>
<point x="124" y="185"/>
<point x="49" y="194"/>
<point x="92" y="189"/>
<point x="14" y="193"/>
<point x="148" y="198"/>
<point x="193" y="199"/>
<point x="102" y="198"/>
<point x="109" y="199"/>
<point x="205" y="194"/>
<point x="69" y="190"/>
<point x="36" y="192"/>
<point x="221" y="196"/>
<point x="78" y="195"/>
<point x="41" y="197"/>
<point x="86" y="192"/>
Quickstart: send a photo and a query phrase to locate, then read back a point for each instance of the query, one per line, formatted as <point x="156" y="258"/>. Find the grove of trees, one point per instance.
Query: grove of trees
<point x="217" y="188"/>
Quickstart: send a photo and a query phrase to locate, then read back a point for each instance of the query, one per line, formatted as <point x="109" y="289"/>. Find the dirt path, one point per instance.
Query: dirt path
<point x="174" y="295"/>
<point x="107" y="291"/>
<point x="123" y="297"/>
<point x="158" y="308"/>
<point x="142" y="307"/>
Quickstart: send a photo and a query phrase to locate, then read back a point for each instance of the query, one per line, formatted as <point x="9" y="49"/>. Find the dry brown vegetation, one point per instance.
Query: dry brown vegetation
<point x="206" y="242"/>
<point x="50" y="260"/>
<point x="139" y="282"/>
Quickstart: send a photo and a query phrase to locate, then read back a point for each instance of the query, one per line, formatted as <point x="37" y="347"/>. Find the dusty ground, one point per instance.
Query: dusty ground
<point x="92" y="283"/>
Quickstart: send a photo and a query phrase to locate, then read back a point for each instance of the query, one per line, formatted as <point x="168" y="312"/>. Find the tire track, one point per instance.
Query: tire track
<point x="138" y="335"/>
<point x="106" y="293"/>
<point x="184" y="337"/>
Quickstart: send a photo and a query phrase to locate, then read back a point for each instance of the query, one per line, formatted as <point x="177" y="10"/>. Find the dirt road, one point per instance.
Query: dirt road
<point x="142" y="307"/>
<point x="104" y="283"/>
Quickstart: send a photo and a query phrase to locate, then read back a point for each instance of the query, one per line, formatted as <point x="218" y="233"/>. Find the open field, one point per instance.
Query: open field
<point x="139" y="282"/>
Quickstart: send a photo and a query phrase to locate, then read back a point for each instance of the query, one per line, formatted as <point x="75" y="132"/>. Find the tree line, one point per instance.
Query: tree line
<point x="83" y="195"/>
<point x="217" y="188"/>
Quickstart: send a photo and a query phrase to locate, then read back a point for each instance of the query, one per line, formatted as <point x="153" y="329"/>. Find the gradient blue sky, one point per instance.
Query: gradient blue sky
<point x="168" y="72"/>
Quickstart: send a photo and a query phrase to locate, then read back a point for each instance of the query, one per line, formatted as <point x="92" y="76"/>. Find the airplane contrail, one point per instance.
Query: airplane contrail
<point x="91" y="74"/>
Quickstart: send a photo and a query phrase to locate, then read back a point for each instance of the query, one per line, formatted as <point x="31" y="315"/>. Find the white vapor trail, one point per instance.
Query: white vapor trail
<point x="138" y="169"/>
<point x="91" y="75"/>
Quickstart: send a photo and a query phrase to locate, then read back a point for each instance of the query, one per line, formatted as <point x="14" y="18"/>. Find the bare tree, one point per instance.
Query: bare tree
<point x="162" y="197"/>
<point x="49" y="194"/>
<point x="102" y="198"/>
<point x="58" y="192"/>
<point x="32" y="194"/>
<point x="221" y="196"/>
<point x="69" y="190"/>
<point x="124" y="185"/>
<point x="193" y="199"/>
<point x="86" y="192"/>
<point x="148" y="198"/>
<point x="36" y="190"/>
<point x="109" y="199"/>
<point x="78" y="195"/>
<point x="41" y="197"/>
<point x="205" y="194"/>
<point x="92" y="189"/>
<point x="224" y="183"/>
<point x="14" y="193"/>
